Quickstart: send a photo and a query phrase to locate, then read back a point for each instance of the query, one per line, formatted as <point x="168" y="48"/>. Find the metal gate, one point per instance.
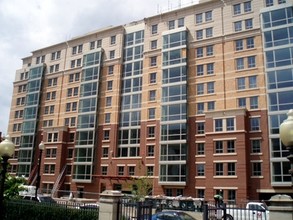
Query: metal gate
<point x="129" y="209"/>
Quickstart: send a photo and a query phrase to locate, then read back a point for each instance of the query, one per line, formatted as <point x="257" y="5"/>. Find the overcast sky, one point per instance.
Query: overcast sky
<point x="26" y="26"/>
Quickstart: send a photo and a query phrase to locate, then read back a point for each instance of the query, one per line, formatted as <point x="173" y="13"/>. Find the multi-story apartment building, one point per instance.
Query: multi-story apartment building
<point x="191" y="99"/>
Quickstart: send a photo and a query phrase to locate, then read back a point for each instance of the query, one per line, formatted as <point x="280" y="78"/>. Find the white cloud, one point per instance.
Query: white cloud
<point x="29" y="25"/>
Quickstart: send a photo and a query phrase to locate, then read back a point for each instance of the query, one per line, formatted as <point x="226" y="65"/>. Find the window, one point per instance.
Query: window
<point x="237" y="9"/>
<point x="252" y="81"/>
<point x="239" y="45"/>
<point x="209" y="16"/>
<point x="153" y="61"/>
<point x="200" y="89"/>
<point x="180" y="22"/>
<point x="107" y="135"/>
<point x="150" y="170"/>
<point x="104" y="170"/>
<point x="154" y="44"/>
<point x="55" y="55"/>
<point x="247" y="6"/>
<point x="219" y="167"/>
<point x="154" y="29"/>
<point x="230" y="146"/>
<point x="240" y="63"/>
<point x="256" y="169"/>
<point x="198" y="18"/>
<point x="52" y="82"/>
<point x="71" y="106"/>
<point x="255" y="146"/>
<point x="210" y="68"/>
<point x="109" y="85"/>
<point x="20" y="101"/>
<point x="200" y="108"/>
<point x="51" y="95"/>
<point x="99" y="43"/>
<point x="70" y="121"/>
<point x="200" y="127"/>
<point x="110" y="70"/>
<point x="241" y="83"/>
<point x="105" y="151"/>
<point x="231" y="169"/>
<point x="52" y="137"/>
<point x="112" y="54"/>
<point x="92" y="45"/>
<point x="250" y="43"/>
<point x="242" y="102"/>
<point x="211" y="106"/>
<point x="200" y="149"/>
<point x="253" y="102"/>
<point x="210" y="87"/>
<point x="248" y="24"/>
<point x="171" y="25"/>
<point x="218" y="125"/>
<point x="151" y="113"/>
<point x="73" y="77"/>
<point x="254" y="124"/>
<point x="199" y="52"/>
<point x="108" y="101"/>
<point x="209" y="32"/>
<point x="107" y="117"/>
<point x="21" y="88"/>
<point x="230" y="124"/>
<point x="152" y="95"/>
<point x="153" y="78"/>
<point x="210" y="50"/>
<point x="269" y="3"/>
<point x="199" y="70"/>
<point x="200" y="169"/>
<point x="131" y="170"/>
<point x="49" y="169"/>
<point x="219" y="149"/>
<point x="113" y="40"/>
<point x="251" y="61"/>
<point x="71" y="137"/>
<point x="151" y="132"/>
<point x="281" y="1"/>
<point x="238" y="26"/>
<point x="199" y="34"/>
<point x="150" y="150"/>
<point x="120" y="170"/>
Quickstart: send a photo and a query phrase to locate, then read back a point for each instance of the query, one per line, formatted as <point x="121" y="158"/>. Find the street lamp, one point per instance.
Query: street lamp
<point x="41" y="148"/>
<point x="286" y="136"/>
<point x="6" y="151"/>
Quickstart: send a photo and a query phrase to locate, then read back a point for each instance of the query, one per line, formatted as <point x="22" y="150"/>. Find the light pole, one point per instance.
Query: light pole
<point x="6" y="151"/>
<point x="41" y="148"/>
<point x="286" y="136"/>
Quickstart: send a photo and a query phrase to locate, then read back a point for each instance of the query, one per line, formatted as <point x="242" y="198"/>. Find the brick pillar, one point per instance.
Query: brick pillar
<point x="109" y="204"/>
<point x="281" y="207"/>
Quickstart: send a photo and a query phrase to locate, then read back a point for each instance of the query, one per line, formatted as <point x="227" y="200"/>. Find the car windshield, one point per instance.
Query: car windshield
<point x="185" y="216"/>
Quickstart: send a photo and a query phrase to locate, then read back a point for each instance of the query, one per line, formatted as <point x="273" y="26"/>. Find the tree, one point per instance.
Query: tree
<point x="13" y="185"/>
<point x="142" y="187"/>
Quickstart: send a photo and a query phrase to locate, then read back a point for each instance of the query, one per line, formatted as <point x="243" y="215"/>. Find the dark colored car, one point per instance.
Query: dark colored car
<point x="172" y="215"/>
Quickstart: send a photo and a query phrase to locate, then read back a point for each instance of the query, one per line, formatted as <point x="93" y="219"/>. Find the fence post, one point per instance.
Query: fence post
<point x="109" y="204"/>
<point x="205" y="211"/>
<point x="224" y="211"/>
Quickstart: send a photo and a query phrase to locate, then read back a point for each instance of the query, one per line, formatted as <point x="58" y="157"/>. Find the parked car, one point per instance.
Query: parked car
<point x="172" y="215"/>
<point x="40" y="198"/>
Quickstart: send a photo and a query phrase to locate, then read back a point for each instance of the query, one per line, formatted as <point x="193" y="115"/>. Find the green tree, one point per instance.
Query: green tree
<point x="13" y="185"/>
<point x="142" y="187"/>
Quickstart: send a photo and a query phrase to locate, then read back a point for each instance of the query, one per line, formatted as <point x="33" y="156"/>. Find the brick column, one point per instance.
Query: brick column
<point x="109" y="204"/>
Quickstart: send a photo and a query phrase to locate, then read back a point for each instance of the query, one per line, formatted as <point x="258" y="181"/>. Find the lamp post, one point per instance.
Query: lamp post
<point x="6" y="151"/>
<point x="286" y="136"/>
<point x="41" y="148"/>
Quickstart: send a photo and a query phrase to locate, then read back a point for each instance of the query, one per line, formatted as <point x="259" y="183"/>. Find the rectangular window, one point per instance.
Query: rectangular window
<point x="256" y="169"/>
<point x="219" y="168"/>
<point x="239" y="45"/>
<point x="171" y="25"/>
<point x="198" y="18"/>
<point x="107" y="117"/>
<point x="151" y="132"/>
<point x="200" y="127"/>
<point x="248" y="24"/>
<point x="210" y="50"/>
<point x="151" y="113"/>
<point x="153" y="61"/>
<point x="209" y="16"/>
<point x="247" y="6"/>
<point x="230" y="146"/>
<point x="106" y="134"/>
<point x="210" y="87"/>
<point x="105" y="152"/>
<point x="154" y="29"/>
<point x="108" y="101"/>
<point x="109" y="85"/>
<point x="110" y="70"/>
<point x="104" y="170"/>
<point x="180" y="22"/>
<point x="252" y="81"/>
<point x="255" y="146"/>
<point x="242" y="102"/>
<point x="199" y="70"/>
<point x="250" y="43"/>
<point x="237" y="9"/>
<point x="230" y="124"/>
<point x="218" y="125"/>
<point x="200" y="171"/>
<point x="154" y="44"/>
<point x="99" y="43"/>
<point x="120" y="171"/>
<point x="200" y="149"/>
<point x="150" y="170"/>
<point x="131" y="170"/>
<point x="113" y="40"/>
<point x="219" y="149"/>
<point x="200" y="108"/>
<point x="92" y="45"/>
<point x="152" y="95"/>
<point x="254" y="124"/>
<point x="240" y="63"/>
<point x="209" y="32"/>
<point x="231" y="169"/>
<point x="150" y="150"/>
<point x="269" y="3"/>
<point x="112" y="54"/>
<point x="200" y="89"/>
<point x="211" y="106"/>
<point x="199" y="52"/>
<point x="241" y="83"/>
<point x="251" y="62"/>
<point x="199" y="34"/>
<point x="238" y="26"/>
<point x="253" y="102"/>
<point x="153" y="78"/>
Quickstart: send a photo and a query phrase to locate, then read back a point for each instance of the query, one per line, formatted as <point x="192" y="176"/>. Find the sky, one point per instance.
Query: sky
<point x="30" y="25"/>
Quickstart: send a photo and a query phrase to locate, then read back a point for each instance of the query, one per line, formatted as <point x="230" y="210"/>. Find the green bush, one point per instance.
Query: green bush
<point x="27" y="210"/>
